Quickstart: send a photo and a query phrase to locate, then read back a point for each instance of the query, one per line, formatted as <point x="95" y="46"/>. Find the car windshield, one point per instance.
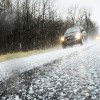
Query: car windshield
<point x="72" y="30"/>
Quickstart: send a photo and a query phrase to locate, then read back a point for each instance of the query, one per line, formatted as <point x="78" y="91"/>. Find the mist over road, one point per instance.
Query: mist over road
<point x="69" y="74"/>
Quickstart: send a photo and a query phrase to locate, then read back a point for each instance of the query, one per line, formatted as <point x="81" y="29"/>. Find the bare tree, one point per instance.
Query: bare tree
<point x="81" y="17"/>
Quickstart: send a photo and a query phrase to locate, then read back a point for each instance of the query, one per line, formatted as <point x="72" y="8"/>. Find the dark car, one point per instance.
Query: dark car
<point x="74" y="35"/>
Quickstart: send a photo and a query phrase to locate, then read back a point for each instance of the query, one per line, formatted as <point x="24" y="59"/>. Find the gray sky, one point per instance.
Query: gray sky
<point x="94" y="5"/>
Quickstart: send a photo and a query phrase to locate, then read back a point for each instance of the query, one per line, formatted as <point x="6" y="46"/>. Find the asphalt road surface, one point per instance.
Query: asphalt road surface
<point x="69" y="74"/>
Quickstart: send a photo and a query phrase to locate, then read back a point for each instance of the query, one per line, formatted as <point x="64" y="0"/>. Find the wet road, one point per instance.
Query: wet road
<point x="72" y="77"/>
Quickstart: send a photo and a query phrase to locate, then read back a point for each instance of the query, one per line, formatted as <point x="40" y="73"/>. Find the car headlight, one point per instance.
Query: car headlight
<point x="98" y="38"/>
<point x="78" y="36"/>
<point x="62" y="38"/>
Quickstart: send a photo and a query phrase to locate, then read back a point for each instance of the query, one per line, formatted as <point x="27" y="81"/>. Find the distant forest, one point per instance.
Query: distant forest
<point x="34" y="24"/>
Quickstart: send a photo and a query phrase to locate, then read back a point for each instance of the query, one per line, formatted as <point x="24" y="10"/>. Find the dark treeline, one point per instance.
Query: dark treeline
<point x="33" y="24"/>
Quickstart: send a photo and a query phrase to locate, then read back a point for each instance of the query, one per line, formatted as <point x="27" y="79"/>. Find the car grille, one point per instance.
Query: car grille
<point x="69" y="38"/>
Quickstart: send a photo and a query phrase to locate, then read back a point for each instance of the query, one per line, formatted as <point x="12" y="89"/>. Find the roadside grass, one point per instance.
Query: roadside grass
<point x="20" y="54"/>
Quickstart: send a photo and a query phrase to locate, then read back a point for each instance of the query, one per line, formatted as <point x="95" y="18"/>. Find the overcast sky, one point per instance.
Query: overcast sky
<point x="94" y="5"/>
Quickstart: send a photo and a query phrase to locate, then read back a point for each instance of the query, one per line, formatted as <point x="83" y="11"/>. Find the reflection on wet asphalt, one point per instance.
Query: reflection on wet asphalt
<point x="74" y="77"/>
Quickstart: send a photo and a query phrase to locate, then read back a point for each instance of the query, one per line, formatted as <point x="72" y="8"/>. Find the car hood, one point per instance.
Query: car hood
<point x="70" y="34"/>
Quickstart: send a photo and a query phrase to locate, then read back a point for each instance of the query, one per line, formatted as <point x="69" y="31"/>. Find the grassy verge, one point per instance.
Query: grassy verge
<point x="20" y="54"/>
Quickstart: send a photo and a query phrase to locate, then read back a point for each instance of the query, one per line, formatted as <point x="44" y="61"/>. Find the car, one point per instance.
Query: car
<point x="74" y="35"/>
<point x="98" y="37"/>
